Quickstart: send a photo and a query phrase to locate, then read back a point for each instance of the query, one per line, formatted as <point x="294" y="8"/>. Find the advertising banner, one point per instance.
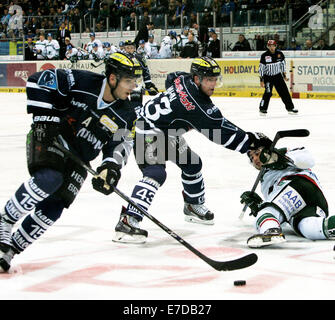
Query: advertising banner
<point x="314" y="76"/>
<point x="18" y="73"/>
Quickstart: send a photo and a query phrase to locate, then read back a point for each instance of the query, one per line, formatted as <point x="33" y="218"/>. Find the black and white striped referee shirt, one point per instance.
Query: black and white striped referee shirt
<point x="271" y="64"/>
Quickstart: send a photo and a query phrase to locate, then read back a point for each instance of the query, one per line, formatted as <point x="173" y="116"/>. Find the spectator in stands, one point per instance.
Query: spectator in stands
<point x="159" y="6"/>
<point x="294" y="46"/>
<point x="309" y="45"/>
<point x="202" y="36"/>
<point x="192" y="19"/>
<point x="29" y="54"/>
<point x="242" y="44"/>
<point x="280" y="43"/>
<point x="207" y="18"/>
<point x="191" y="48"/>
<point x="322" y="45"/>
<point x="62" y="33"/>
<point x="130" y="22"/>
<point x="144" y="5"/>
<point x="332" y="47"/>
<point x="5" y="17"/>
<point x="260" y="42"/>
<point x="214" y="49"/>
<point x="143" y="33"/>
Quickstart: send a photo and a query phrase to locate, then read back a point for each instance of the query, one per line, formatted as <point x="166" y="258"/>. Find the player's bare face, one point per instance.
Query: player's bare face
<point x="208" y="85"/>
<point x="125" y="87"/>
<point x="129" y="49"/>
<point x="272" y="48"/>
<point x="254" y="158"/>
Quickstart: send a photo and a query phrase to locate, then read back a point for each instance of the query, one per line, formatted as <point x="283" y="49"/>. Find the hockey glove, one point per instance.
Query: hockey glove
<point x="257" y="140"/>
<point x="275" y="160"/>
<point x="45" y="128"/>
<point x="252" y="200"/>
<point x="109" y="175"/>
<point x="151" y="88"/>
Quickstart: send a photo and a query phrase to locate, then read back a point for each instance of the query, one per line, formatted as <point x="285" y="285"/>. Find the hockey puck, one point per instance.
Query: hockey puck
<point x="240" y="283"/>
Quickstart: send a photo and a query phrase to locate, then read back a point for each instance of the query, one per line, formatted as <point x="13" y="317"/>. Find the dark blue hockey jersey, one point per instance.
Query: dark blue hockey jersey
<point x="183" y="106"/>
<point x="88" y="124"/>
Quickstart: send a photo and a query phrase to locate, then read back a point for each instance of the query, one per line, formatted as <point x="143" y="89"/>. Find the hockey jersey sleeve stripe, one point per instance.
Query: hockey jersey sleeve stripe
<point x="35" y="86"/>
<point x="39" y="104"/>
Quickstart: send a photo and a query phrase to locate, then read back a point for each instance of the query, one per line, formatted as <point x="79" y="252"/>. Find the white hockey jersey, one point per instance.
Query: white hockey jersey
<point x="274" y="181"/>
<point x="151" y="50"/>
<point x="89" y="45"/>
<point x="52" y="49"/>
<point x="40" y="47"/>
<point x="165" y="52"/>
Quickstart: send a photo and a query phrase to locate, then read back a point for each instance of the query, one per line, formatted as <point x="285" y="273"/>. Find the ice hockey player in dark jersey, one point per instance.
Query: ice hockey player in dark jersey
<point x="185" y="105"/>
<point x="87" y="113"/>
<point x="137" y="94"/>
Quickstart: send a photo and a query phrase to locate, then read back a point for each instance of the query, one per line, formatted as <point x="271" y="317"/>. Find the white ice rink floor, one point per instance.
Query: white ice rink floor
<point x="76" y="258"/>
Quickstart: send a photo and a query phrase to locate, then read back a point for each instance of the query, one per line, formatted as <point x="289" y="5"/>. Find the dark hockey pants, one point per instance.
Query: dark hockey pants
<point x="278" y="82"/>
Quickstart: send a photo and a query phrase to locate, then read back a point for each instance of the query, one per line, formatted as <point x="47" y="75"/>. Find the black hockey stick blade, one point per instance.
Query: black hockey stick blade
<point x="239" y="263"/>
<point x="293" y="133"/>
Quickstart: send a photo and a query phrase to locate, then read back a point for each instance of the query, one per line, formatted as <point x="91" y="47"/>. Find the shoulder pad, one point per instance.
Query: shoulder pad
<point x="48" y="80"/>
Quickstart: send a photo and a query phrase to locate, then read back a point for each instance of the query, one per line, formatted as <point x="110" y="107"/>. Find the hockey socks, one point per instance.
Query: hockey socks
<point x="143" y="195"/>
<point x="194" y="188"/>
<point x="35" y="224"/>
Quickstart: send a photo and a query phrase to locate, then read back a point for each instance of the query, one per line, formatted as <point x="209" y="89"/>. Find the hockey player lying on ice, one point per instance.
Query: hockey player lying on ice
<point x="292" y="194"/>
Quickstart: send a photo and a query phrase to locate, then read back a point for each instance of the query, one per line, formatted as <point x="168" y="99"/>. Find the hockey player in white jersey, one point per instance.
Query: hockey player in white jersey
<point x="89" y="45"/>
<point x="108" y="49"/>
<point x="151" y="48"/>
<point x="97" y="53"/>
<point x="292" y="194"/>
<point x="40" y="47"/>
<point x="71" y="53"/>
<point x="165" y="51"/>
<point x="52" y="48"/>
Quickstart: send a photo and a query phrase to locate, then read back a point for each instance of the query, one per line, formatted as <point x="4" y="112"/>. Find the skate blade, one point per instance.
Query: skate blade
<point x="259" y="242"/>
<point x="126" y="238"/>
<point x="196" y="220"/>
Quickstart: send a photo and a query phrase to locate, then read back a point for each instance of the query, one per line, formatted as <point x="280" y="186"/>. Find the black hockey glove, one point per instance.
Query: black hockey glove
<point x="257" y="140"/>
<point x="252" y="200"/>
<point x="109" y="175"/>
<point x="45" y="128"/>
<point x="275" y="160"/>
<point x="151" y="88"/>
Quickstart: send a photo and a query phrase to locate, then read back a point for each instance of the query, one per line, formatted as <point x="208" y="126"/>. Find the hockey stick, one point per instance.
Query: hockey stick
<point x="239" y="263"/>
<point x="279" y="135"/>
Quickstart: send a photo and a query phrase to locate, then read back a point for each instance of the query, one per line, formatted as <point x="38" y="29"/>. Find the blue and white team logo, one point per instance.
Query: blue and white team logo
<point x="48" y="80"/>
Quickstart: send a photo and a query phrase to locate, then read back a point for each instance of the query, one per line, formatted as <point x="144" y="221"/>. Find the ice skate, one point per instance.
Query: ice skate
<point x="6" y="256"/>
<point x="269" y="237"/>
<point x="127" y="230"/>
<point x="262" y="113"/>
<point x="293" y="111"/>
<point x="198" y="213"/>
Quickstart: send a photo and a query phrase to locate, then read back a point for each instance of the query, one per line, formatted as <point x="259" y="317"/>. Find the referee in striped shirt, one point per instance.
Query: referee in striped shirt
<point x="272" y="71"/>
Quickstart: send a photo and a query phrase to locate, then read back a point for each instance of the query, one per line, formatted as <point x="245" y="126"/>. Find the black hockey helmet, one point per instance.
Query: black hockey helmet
<point x="205" y="67"/>
<point x="122" y="65"/>
<point x="129" y="43"/>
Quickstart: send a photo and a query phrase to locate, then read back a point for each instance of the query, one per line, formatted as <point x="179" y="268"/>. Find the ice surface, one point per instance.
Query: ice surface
<point x="76" y="258"/>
